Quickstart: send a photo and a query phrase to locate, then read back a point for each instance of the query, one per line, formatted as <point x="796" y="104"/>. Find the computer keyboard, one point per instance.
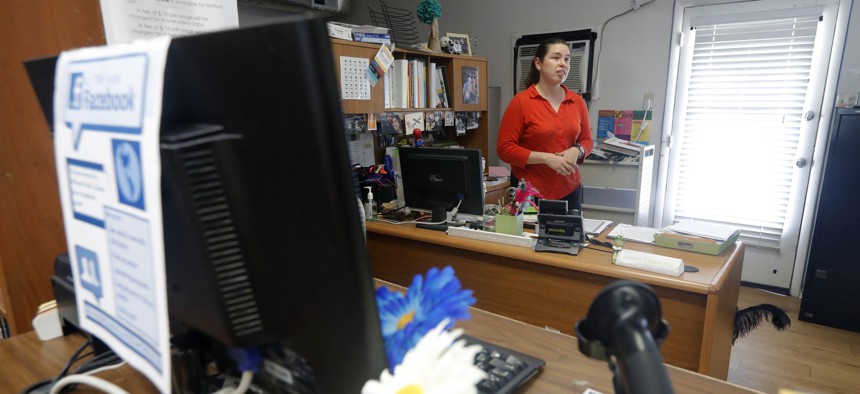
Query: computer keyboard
<point x="506" y="369"/>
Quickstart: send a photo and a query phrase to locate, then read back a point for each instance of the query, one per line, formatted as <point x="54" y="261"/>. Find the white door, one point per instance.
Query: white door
<point x="746" y="113"/>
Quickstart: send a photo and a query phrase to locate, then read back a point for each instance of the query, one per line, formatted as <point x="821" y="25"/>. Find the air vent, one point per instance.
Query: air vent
<point x="577" y="80"/>
<point x="210" y="205"/>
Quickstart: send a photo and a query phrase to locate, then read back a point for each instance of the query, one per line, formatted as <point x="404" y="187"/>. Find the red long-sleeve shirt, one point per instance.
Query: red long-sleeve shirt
<point x="531" y="124"/>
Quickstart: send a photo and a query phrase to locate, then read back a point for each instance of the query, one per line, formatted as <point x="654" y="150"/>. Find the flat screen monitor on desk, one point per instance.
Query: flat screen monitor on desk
<point x="246" y="114"/>
<point x="441" y="179"/>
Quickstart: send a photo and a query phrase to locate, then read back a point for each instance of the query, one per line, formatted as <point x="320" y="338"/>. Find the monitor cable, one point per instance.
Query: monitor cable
<point x="593" y="241"/>
<point x="419" y="221"/>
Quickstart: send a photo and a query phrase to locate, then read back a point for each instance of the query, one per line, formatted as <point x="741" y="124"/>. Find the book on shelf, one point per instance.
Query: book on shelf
<point x="372" y="38"/>
<point x="443" y="86"/>
<point x="400" y="84"/>
<point x="434" y="98"/>
<point x="386" y="87"/>
<point x="347" y="31"/>
<point x="413" y="83"/>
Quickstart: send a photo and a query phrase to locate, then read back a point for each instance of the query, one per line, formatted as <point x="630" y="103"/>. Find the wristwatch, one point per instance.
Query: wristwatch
<point x="581" y="151"/>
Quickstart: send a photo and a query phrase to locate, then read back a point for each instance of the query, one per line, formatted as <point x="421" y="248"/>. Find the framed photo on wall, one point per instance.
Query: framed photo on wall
<point x="459" y="44"/>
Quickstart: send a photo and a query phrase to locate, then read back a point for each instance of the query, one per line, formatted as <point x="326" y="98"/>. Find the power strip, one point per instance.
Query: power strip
<point x="462" y="232"/>
<point x="650" y="262"/>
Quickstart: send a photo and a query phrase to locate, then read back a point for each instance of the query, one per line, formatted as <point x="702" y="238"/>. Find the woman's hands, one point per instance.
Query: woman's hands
<point x="559" y="163"/>
<point x="563" y="163"/>
<point x="571" y="154"/>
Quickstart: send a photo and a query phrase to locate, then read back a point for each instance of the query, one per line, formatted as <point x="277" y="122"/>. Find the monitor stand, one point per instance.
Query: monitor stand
<point x="440" y="215"/>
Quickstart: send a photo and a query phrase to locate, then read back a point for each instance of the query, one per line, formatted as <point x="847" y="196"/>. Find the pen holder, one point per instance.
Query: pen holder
<point x="507" y="224"/>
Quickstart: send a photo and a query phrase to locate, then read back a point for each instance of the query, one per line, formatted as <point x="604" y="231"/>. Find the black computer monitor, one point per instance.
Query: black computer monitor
<point x="438" y="179"/>
<point x="263" y="243"/>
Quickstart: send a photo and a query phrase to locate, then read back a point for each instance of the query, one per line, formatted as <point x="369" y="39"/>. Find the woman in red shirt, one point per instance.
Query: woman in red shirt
<point x="545" y="131"/>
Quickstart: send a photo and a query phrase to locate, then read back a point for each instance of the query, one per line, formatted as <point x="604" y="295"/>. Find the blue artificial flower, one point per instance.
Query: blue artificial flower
<point x="406" y="318"/>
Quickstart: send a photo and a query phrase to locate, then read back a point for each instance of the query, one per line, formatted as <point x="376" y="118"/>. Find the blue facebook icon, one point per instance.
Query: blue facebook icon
<point x="76" y="91"/>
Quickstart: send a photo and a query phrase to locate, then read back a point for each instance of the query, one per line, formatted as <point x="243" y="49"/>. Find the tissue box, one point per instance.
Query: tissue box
<point x="694" y="244"/>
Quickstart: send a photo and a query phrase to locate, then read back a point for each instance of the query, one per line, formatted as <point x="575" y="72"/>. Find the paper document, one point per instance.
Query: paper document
<point x="594" y="227"/>
<point x="128" y="20"/>
<point x="633" y="233"/>
<point x="107" y="114"/>
<point x="702" y="229"/>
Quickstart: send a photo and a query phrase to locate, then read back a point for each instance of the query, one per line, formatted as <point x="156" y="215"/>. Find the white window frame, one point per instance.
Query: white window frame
<point x="844" y="10"/>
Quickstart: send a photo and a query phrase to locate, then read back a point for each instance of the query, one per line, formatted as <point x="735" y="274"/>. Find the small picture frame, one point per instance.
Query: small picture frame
<point x="459" y="44"/>
<point x="470" y="85"/>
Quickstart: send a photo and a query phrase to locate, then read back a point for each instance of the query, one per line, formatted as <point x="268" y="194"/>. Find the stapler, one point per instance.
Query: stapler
<point x="559" y="230"/>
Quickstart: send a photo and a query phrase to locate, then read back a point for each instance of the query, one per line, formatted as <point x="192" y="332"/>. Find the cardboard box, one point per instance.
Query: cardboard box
<point x="694" y="244"/>
<point x="339" y="30"/>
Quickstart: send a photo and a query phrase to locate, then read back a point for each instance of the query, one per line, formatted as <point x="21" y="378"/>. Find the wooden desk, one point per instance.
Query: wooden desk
<point x="554" y="290"/>
<point x="26" y="360"/>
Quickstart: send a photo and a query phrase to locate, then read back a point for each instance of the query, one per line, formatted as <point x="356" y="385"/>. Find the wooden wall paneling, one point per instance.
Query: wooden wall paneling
<point x="31" y="226"/>
<point x="360" y="50"/>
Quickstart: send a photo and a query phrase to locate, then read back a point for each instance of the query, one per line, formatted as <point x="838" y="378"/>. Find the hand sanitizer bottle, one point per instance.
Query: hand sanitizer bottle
<point x="369" y="206"/>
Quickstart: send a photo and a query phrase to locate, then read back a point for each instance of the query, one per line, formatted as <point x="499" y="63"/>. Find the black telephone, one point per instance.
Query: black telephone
<point x="559" y="230"/>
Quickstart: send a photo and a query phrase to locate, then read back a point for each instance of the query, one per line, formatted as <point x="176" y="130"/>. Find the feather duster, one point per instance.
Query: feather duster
<point x="749" y="318"/>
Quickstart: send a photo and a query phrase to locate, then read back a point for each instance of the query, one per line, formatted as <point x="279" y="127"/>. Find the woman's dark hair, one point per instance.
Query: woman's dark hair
<point x="534" y="75"/>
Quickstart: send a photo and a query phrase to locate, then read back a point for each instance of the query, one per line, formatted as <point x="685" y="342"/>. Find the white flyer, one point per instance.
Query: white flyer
<point x="127" y="20"/>
<point x="107" y="111"/>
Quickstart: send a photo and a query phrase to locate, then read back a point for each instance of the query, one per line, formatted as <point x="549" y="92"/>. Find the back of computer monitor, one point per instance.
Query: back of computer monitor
<point x="438" y="175"/>
<point x="263" y="246"/>
<point x="262" y="237"/>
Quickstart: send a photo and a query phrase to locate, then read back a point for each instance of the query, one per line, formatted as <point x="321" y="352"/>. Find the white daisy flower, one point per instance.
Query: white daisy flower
<point x="436" y="365"/>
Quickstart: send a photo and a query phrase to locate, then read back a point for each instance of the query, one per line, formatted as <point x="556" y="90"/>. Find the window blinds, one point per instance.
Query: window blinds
<point x="744" y="107"/>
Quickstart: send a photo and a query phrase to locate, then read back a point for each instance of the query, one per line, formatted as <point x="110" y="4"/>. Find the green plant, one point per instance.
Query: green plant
<point x="428" y="10"/>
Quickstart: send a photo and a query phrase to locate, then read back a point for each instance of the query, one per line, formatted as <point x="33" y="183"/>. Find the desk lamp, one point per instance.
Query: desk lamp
<point x="624" y="327"/>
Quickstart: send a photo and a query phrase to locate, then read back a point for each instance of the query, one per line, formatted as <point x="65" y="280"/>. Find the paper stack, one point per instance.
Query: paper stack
<point x="697" y="236"/>
<point x="634" y="233"/>
<point x="701" y="229"/>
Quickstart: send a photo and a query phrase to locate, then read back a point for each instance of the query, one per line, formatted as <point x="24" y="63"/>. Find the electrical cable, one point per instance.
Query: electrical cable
<point x="102" y="360"/>
<point x="417" y="221"/>
<point x="93" y="381"/>
<point x="75" y="357"/>
<point x="593" y="242"/>
<point x="244" y="384"/>
<point x="600" y="47"/>
<point x="103" y="369"/>
<point x="644" y="124"/>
